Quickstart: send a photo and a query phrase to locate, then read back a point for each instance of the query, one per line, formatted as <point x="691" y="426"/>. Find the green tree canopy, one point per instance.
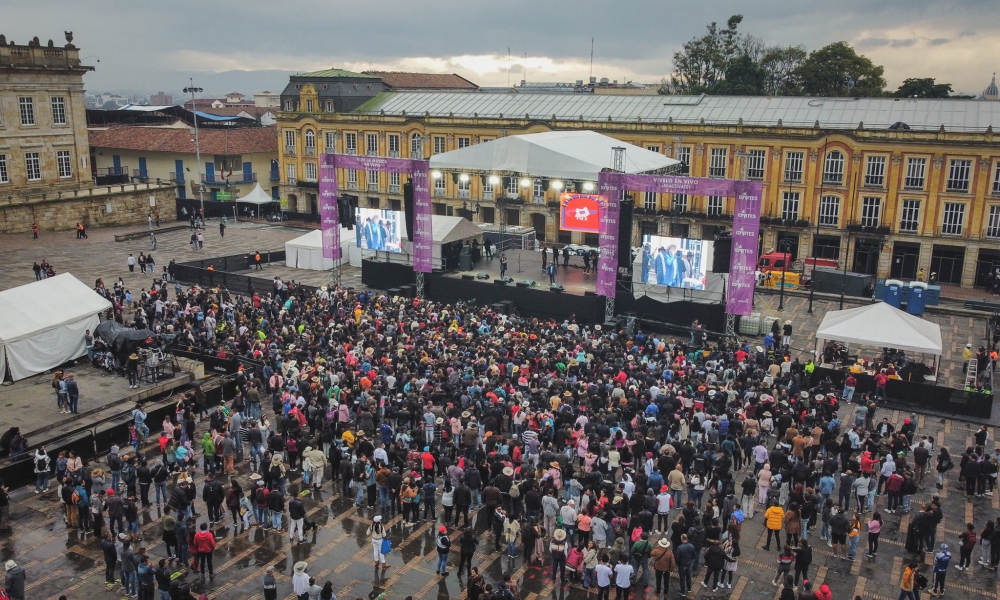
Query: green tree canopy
<point x="837" y="70"/>
<point x="923" y="88"/>
<point x="702" y="62"/>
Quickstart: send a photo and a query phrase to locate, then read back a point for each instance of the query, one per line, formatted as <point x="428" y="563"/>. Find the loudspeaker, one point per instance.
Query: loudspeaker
<point x="482" y="275"/>
<point x="723" y="252"/>
<point x="346" y="205"/>
<point x="526" y="283"/>
<point x="555" y="287"/>
<point x="471" y="277"/>
<point x="624" y="277"/>
<point x="500" y="281"/>
<point x="507" y="279"/>
<point x="408" y="208"/>
<point x="589" y="293"/>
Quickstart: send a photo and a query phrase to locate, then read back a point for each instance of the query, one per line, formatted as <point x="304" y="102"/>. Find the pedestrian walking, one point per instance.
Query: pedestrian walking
<point x="152" y="241"/>
<point x="131" y="263"/>
<point x="378" y="537"/>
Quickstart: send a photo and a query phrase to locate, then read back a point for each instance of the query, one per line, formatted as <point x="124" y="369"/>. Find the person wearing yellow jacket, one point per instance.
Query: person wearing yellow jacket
<point x="773" y="518"/>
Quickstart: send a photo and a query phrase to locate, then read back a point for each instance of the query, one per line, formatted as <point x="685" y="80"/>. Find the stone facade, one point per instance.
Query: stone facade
<point x="129" y="203"/>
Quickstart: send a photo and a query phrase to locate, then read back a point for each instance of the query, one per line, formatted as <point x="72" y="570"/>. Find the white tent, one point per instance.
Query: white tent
<point x="453" y="229"/>
<point x="306" y="251"/>
<point x="44" y="322"/>
<point x="568" y="154"/>
<point x="880" y="325"/>
<point x="257" y="196"/>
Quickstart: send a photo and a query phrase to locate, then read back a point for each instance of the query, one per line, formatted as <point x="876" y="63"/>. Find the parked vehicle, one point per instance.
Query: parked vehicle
<point x="776" y="261"/>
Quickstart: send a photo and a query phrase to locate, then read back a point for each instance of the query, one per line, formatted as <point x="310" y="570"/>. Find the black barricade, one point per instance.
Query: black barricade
<point x="18" y="473"/>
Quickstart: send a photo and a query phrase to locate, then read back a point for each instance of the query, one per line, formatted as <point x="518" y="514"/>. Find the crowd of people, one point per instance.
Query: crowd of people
<point x="612" y="460"/>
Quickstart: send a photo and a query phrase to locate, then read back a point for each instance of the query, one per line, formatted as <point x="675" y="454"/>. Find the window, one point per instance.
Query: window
<point x="871" y="211"/>
<point x="833" y="168"/>
<point x="352" y="179"/>
<point x="954" y="218"/>
<point x="537" y="193"/>
<point x="463" y="142"/>
<point x="649" y="201"/>
<point x="371" y="147"/>
<point x="463" y="188"/>
<point x="829" y="211"/>
<point x="394" y="145"/>
<point x="438" y="144"/>
<point x="372" y="178"/>
<point x="915" y="171"/>
<point x="958" y="175"/>
<point x="653" y="149"/>
<point x="289" y="141"/>
<point x="288" y="105"/>
<point x="328" y="106"/>
<point x="790" y="206"/>
<point x="909" y="219"/>
<point x="755" y="164"/>
<point x="996" y="179"/>
<point x="4" y="174"/>
<point x="64" y="163"/>
<point x="33" y="166"/>
<point x="58" y="110"/>
<point x="684" y="156"/>
<point x="310" y="171"/>
<point x="309" y="105"/>
<point x="290" y="172"/>
<point x="680" y="202"/>
<point x="487" y="190"/>
<point x="715" y="205"/>
<point x="310" y="141"/>
<point x="992" y="224"/>
<point x="717" y="165"/>
<point x="394" y="183"/>
<point x="416" y="146"/>
<point x="331" y="141"/>
<point x="351" y="143"/>
<point x="439" y="186"/>
<point x="875" y="171"/>
<point x="27" y="110"/>
<point x="793" y="166"/>
<point x="512" y="191"/>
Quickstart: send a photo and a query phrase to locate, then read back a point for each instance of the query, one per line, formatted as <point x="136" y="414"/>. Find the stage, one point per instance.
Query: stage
<point x="527" y="264"/>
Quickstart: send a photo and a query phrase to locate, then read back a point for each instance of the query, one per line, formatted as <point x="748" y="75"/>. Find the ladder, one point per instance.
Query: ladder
<point x="970" y="374"/>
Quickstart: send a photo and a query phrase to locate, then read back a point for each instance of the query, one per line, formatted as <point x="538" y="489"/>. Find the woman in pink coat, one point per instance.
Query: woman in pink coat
<point x="763" y="482"/>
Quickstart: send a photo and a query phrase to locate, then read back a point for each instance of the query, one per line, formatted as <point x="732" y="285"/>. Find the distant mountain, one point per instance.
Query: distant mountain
<point x="134" y="80"/>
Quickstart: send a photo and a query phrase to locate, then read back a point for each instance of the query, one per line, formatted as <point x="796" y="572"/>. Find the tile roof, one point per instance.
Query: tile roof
<point x="424" y="81"/>
<point x="830" y="113"/>
<point x="229" y="140"/>
<point x="335" y="73"/>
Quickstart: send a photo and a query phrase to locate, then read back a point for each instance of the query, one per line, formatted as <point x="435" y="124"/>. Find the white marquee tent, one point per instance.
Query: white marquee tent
<point x="577" y="155"/>
<point x="306" y="251"/>
<point x="257" y="196"/>
<point x="880" y="325"/>
<point x="44" y="322"/>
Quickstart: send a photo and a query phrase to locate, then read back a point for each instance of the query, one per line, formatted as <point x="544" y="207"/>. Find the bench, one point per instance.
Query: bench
<point x="983" y="305"/>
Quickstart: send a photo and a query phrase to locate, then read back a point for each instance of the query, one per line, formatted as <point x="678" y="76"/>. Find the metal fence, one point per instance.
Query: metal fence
<point x="222" y="273"/>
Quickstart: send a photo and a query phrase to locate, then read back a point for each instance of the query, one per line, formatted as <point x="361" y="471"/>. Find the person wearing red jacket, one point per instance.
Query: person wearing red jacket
<point x="894" y="485"/>
<point x="204" y="545"/>
<point x="880" y="380"/>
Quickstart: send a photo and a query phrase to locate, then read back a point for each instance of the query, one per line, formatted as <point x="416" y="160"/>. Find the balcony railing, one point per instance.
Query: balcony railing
<point x="275" y="176"/>
<point x="393" y="153"/>
<point x="290" y="150"/>
<point x="352" y="185"/>
<point x="438" y="192"/>
<point x="234" y="178"/>
<point x="372" y="186"/>
<point x="463" y="194"/>
<point x="913" y="183"/>
<point x="310" y="150"/>
<point x="293" y="181"/>
<point x="352" y="151"/>
<point x="393" y="189"/>
<point x="112" y="171"/>
<point x="177" y="177"/>
<point x="142" y="174"/>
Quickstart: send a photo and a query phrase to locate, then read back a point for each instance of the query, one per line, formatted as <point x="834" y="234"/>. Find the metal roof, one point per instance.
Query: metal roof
<point x="335" y="73"/>
<point x="831" y="113"/>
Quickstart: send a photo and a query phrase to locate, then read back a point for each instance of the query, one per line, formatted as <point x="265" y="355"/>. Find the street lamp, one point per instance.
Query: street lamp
<point x="197" y="146"/>
<point x="819" y="215"/>
<point x="784" y="269"/>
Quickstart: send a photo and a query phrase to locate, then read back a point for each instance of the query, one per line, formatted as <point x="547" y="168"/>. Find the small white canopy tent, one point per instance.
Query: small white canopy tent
<point x="445" y="229"/>
<point x="257" y="196"/>
<point x="880" y="325"/>
<point x="577" y="155"/>
<point x="453" y="229"/>
<point x="44" y="323"/>
<point x="306" y="251"/>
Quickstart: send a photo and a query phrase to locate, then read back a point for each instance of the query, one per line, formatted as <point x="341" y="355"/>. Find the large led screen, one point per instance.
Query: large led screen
<point x="582" y="212"/>
<point x="676" y="262"/>
<point x="379" y="229"/>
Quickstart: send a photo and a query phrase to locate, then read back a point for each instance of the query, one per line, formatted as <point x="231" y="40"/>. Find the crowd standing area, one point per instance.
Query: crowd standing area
<point x="603" y="462"/>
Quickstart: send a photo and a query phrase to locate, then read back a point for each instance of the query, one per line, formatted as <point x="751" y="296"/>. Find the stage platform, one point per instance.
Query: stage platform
<point x="527" y="264"/>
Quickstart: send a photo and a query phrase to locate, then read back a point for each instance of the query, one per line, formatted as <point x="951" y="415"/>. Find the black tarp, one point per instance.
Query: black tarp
<point x="121" y="339"/>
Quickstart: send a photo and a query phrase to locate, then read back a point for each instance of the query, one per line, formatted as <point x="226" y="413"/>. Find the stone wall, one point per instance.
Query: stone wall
<point x="128" y="204"/>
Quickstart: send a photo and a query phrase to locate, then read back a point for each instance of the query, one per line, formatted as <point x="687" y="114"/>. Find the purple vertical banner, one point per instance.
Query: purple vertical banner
<point x="329" y="218"/>
<point x="609" y="185"/>
<point x="743" y="259"/>
<point x="423" y="229"/>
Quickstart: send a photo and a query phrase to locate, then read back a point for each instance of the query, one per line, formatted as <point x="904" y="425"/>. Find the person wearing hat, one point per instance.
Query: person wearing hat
<point x="443" y="545"/>
<point x="270" y="585"/>
<point x="378" y="533"/>
<point x="557" y="548"/>
<point x="300" y="580"/>
<point x="13" y="582"/>
<point x="786" y="334"/>
<point x="966" y="357"/>
<point x="663" y="563"/>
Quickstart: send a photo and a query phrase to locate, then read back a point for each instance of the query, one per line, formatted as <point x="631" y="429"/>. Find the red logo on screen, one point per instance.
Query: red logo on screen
<point x="582" y="212"/>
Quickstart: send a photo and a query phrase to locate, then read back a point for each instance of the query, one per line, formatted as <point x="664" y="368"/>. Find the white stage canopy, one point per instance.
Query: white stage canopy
<point x="257" y="196"/>
<point x="44" y="322"/>
<point x="306" y="251"/>
<point x="579" y="155"/>
<point x="880" y="325"/>
<point x="453" y="229"/>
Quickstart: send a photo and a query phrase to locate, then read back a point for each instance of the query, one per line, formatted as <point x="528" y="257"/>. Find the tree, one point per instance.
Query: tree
<point x="743" y="77"/>
<point x="779" y="64"/>
<point x="702" y="62"/>
<point x="923" y="88"/>
<point x="837" y="70"/>
<point x="109" y="105"/>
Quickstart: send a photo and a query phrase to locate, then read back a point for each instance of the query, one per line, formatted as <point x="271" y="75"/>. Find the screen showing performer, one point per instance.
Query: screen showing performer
<point x="676" y="262"/>
<point x="379" y="229"/>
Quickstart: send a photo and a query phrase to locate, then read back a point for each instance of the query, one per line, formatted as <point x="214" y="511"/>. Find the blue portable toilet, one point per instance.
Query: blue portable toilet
<point x="893" y="292"/>
<point x="915" y="305"/>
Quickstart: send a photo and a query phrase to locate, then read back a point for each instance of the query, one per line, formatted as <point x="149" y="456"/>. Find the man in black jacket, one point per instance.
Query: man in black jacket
<point x="275" y="505"/>
<point x="463" y="500"/>
<point x="296" y="518"/>
<point x="213" y="494"/>
<point x="179" y="499"/>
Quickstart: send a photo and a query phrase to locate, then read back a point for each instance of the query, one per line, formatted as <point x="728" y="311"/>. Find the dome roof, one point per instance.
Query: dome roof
<point x="991" y="92"/>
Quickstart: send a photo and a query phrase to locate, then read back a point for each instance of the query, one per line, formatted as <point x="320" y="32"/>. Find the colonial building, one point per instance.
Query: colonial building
<point x="891" y="186"/>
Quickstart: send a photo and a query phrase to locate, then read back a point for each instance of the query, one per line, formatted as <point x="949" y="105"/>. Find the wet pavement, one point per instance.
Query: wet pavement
<point x="58" y="561"/>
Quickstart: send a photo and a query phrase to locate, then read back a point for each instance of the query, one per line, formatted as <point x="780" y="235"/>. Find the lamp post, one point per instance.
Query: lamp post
<point x="784" y="269"/>
<point x="819" y="214"/>
<point x="197" y="146"/>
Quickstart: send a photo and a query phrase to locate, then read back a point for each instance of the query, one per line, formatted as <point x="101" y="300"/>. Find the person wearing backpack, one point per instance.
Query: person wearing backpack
<point x="43" y="467"/>
<point x="641" y="551"/>
<point x="82" y="503"/>
<point x="13" y="583"/>
<point x="443" y="545"/>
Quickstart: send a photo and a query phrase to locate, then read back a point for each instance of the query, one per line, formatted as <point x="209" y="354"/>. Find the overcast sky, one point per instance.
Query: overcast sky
<point x="146" y="46"/>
